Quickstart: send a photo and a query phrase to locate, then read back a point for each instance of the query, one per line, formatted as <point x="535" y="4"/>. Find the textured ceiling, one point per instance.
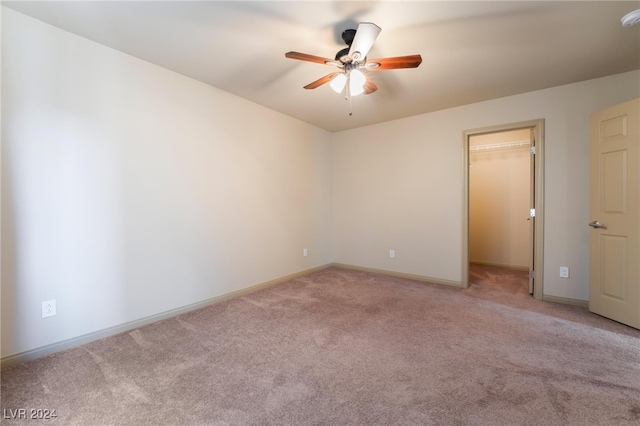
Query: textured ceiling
<point x="472" y="51"/>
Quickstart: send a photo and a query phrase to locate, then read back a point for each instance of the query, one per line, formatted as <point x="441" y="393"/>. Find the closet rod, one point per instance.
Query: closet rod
<point x="504" y="145"/>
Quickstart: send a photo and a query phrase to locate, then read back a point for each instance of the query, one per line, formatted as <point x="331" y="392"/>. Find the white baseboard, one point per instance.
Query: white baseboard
<point x="566" y="301"/>
<point x="86" y="338"/>
<point x="400" y="275"/>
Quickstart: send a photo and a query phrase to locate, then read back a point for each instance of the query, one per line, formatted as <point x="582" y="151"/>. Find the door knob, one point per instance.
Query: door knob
<point x="596" y="224"/>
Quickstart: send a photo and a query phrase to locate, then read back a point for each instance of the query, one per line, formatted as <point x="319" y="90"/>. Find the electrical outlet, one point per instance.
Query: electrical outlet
<point x="564" y="272"/>
<point x="48" y="308"/>
<point x="392" y="254"/>
<point x="305" y="253"/>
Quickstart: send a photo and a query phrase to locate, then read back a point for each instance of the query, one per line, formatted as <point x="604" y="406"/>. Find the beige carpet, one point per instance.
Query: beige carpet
<point x="341" y="347"/>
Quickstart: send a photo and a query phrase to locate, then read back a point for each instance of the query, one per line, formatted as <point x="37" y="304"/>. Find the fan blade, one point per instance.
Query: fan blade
<point x="319" y="82"/>
<point x="411" y="61"/>
<point x="362" y="42"/>
<point x="369" y="87"/>
<point x="310" y="58"/>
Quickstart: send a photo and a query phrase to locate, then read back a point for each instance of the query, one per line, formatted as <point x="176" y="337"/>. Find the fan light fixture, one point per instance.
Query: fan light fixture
<point x="352" y="59"/>
<point x="356" y="81"/>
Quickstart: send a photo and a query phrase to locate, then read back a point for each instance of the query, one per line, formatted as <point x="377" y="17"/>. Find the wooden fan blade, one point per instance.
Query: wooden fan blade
<point x="369" y="87"/>
<point x="411" y="61"/>
<point x="310" y="58"/>
<point x="319" y="82"/>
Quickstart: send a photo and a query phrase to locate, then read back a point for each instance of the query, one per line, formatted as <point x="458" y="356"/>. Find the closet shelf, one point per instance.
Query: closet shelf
<point x="504" y="145"/>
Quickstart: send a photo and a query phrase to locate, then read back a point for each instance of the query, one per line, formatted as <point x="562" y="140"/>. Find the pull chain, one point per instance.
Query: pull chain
<point x="348" y="89"/>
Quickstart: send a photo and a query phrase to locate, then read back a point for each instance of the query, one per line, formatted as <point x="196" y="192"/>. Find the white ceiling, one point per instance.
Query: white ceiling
<point x="472" y="51"/>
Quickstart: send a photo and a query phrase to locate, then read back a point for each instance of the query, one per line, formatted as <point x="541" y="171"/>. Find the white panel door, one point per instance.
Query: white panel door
<point x="615" y="213"/>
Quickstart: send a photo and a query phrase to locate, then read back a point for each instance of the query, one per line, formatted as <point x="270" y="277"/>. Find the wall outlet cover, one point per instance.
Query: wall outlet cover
<point x="49" y="308"/>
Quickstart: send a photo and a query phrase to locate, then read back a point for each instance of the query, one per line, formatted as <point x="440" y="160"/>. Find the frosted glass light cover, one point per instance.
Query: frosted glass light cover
<point x="338" y="83"/>
<point x="356" y="83"/>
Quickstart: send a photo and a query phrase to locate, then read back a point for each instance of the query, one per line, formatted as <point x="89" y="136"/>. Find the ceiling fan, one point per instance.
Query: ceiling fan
<point x="352" y="60"/>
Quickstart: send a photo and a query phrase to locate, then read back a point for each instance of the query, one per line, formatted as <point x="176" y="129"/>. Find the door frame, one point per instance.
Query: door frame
<point x="538" y="172"/>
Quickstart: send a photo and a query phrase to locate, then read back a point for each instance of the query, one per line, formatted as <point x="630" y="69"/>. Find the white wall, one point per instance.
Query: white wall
<point x="499" y="201"/>
<point x="399" y="185"/>
<point x="129" y="190"/>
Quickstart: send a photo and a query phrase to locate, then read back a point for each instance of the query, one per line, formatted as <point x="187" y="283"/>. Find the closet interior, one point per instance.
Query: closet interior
<point x="499" y="199"/>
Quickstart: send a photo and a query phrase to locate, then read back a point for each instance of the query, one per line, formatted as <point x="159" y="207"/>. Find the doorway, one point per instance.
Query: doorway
<point x="501" y="238"/>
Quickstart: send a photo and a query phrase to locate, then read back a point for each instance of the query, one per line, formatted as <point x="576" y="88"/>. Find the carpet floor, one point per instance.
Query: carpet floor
<point x="344" y="347"/>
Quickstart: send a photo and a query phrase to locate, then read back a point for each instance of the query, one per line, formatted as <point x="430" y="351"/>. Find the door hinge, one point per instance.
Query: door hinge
<point x="533" y="150"/>
<point x="532" y="213"/>
<point x="531" y="274"/>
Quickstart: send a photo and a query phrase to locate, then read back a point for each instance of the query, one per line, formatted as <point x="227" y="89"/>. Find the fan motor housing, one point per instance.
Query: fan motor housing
<point x="342" y="53"/>
<point x="347" y="36"/>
